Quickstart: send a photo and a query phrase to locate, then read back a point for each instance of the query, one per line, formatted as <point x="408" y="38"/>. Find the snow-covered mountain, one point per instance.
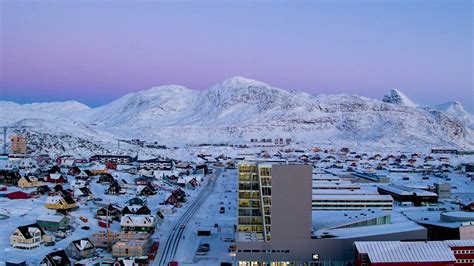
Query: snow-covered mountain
<point x="238" y="109"/>
<point x="456" y="110"/>
<point x="397" y="97"/>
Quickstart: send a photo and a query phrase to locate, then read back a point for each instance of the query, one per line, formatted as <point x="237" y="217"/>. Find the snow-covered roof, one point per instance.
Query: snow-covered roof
<point x="137" y="220"/>
<point x="55" y="176"/>
<point x="50" y="218"/>
<point x="397" y="251"/>
<point x="460" y="243"/>
<point x="344" y="192"/>
<point x="83" y="244"/>
<point x="352" y="197"/>
<point x="53" y="199"/>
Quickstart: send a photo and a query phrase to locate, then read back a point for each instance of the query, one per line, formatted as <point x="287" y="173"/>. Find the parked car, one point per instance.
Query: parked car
<point x="201" y="252"/>
<point x="204" y="247"/>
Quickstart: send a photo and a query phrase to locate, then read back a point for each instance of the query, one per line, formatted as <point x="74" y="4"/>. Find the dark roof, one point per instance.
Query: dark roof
<point x="69" y="200"/>
<point x="57" y="258"/>
<point x="24" y="230"/>
<point x="85" y="190"/>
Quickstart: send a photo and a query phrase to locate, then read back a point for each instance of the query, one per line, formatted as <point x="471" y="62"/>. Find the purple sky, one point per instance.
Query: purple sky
<point x="97" y="50"/>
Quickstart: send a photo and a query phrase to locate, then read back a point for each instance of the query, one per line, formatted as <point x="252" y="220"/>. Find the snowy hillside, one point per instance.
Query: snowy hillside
<point x="238" y="109"/>
<point x="456" y="110"/>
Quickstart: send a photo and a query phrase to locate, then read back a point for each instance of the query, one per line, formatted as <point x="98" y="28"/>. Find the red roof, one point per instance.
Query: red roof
<point x="18" y="195"/>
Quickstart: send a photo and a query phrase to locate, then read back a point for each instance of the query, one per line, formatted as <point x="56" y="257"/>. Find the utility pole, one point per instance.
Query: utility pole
<point x="5" y="140"/>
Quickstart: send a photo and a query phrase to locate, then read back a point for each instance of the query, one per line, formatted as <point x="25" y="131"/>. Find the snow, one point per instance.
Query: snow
<point x="397" y="97"/>
<point x="238" y="109"/>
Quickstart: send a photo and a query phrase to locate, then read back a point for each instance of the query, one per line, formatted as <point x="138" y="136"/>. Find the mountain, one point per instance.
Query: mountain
<point x="397" y="97"/>
<point x="238" y="109"/>
<point x="456" y="110"/>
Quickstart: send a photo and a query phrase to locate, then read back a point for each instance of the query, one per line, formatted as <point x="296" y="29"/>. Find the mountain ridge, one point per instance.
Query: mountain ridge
<point x="238" y="109"/>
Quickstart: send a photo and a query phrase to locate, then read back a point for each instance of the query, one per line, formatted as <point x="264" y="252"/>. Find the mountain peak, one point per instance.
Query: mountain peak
<point x="397" y="97"/>
<point x="241" y="82"/>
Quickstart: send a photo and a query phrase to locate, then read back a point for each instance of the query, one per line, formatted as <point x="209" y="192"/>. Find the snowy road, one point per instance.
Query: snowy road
<point x="168" y="251"/>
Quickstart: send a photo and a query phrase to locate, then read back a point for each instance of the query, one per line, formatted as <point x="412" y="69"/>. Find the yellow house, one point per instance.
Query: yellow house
<point x="28" y="182"/>
<point x="98" y="169"/>
<point x="27" y="237"/>
<point x="57" y="202"/>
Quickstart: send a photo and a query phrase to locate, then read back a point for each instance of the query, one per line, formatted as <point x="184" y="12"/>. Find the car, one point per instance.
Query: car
<point x="201" y="252"/>
<point x="228" y="239"/>
<point x="204" y="247"/>
<point x="222" y="210"/>
<point x="85" y="228"/>
<point x="182" y="226"/>
<point x="49" y="244"/>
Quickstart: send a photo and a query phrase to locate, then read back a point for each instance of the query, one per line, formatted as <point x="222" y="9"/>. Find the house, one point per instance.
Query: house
<point x="114" y="188"/>
<point x="56" y="179"/>
<point x="136" y="209"/>
<point x="106" y="178"/>
<point x="136" y="201"/>
<point x="65" y="161"/>
<point x="58" y="188"/>
<point x="74" y="171"/>
<point x="110" y="211"/>
<point x="146" y="190"/>
<point x="132" y="248"/>
<point x="142" y="180"/>
<point x="137" y="223"/>
<point x="192" y="184"/>
<point x="180" y="195"/>
<point x="80" y="249"/>
<point x="54" y="170"/>
<point x="57" y="202"/>
<point x="27" y="237"/>
<point x="56" y="258"/>
<point x="77" y="183"/>
<point x="98" y="169"/>
<point x="170" y="199"/>
<point x="29" y="182"/>
<point x="65" y="192"/>
<point x="18" y="195"/>
<point x="53" y="222"/>
<point x="43" y="189"/>
<point x="469" y="207"/>
<point x="9" y="177"/>
<point x="83" y="193"/>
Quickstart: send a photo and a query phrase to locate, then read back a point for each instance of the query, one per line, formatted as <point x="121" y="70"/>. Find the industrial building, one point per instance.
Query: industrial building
<point x="275" y="223"/>
<point x="400" y="193"/>
<point x="430" y="253"/>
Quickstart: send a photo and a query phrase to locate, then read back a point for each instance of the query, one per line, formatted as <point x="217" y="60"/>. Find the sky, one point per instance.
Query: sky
<point x="95" y="51"/>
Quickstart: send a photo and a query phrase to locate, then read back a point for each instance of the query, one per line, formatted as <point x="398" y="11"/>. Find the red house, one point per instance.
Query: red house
<point x="469" y="207"/>
<point x="171" y="199"/>
<point x="111" y="165"/>
<point x="56" y="179"/>
<point x="18" y="195"/>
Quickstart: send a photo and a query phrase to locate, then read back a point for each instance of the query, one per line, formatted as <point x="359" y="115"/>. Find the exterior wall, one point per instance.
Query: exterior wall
<point x="334" y="250"/>
<point x="291" y="202"/>
<point x="18" y="241"/>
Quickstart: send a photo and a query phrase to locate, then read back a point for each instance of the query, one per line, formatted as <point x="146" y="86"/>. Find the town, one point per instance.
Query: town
<point x="235" y="205"/>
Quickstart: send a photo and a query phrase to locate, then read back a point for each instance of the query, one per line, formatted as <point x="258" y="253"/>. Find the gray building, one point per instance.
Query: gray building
<point x="286" y="237"/>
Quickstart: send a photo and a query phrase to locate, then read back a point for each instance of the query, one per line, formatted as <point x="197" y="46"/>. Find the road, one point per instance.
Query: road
<point x="168" y="250"/>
